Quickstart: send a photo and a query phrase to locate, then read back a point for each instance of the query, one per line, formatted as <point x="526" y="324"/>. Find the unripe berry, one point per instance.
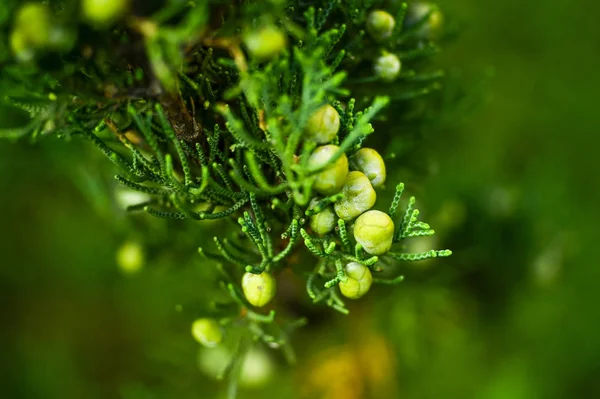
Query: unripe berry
<point x="31" y="31"/>
<point x="258" y="289"/>
<point x="33" y="21"/>
<point x="359" y="196"/>
<point x="358" y="282"/>
<point x="380" y="25"/>
<point x="387" y="67"/>
<point x="331" y="180"/>
<point x="374" y="230"/>
<point x="212" y="361"/>
<point x="207" y="332"/>
<point x="103" y="12"/>
<point x="323" y="125"/>
<point x="130" y="257"/>
<point x="22" y="50"/>
<point x="324" y="221"/>
<point x="368" y="161"/>
<point x="432" y="27"/>
<point x="266" y="42"/>
<point x="257" y="369"/>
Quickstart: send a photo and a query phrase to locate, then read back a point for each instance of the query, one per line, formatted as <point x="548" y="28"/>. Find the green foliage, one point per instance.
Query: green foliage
<point x="210" y="132"/>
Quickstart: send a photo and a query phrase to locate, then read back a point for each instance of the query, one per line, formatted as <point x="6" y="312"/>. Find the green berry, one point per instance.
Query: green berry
<point x="130" y="257"/>
<point x="331" y="180"/>
<point x="374" y="230"/>
<point x="324" y="221"/>
<point x="432" y="27"/>
<point x="103" y="12"/>
<point x="368" y="161"/>
<point x="265" y="42"/>
<point x="33" y="22"/>
<point x="380" y="25"/>
<point x="258" y="289"/>
<point x="257" y="369"/>
<point x="323" y="125"/>
<point x="359" y="196"/>
<point x="212" y="361"/>
<point x="207" y="332"/>
<point x="387" y="67"/>
<point x="22" y="50"/>
<point x="358" y="282"/>
<point x="31" y="32"/>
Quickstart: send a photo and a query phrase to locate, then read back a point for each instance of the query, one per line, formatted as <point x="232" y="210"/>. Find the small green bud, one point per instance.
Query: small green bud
<point x="358" y="282"/>
<point x="323" y="125"/>
<point x="331" y="180"/>
<point x="368" y="161"/>
<point x="324" y="221"/>
<point x="380" y="25"/>
<point x="265" y="42"/>
<point x="374" y="230"/>
<point x="387" y="67"/>
<point x="258" y="289"/>
<point x="359" y="196"/>
<point x="207" y="332"/>
<point x="432" y="28"/>
<point x="103" y="12"/>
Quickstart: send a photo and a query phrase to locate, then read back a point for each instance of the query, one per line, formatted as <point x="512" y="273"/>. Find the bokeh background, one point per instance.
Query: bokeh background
<point x="508" y="177"/>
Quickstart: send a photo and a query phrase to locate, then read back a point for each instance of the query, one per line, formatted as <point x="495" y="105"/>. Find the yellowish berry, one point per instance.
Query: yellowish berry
<point x="324" y="221"/>
<point x="265" y="42"/>
<point x="331" y="180"/>
<point x="374" y="230"/>
<point x="20" y="47"/>
<point x="130" y="257"/>
<point x="207" y="332"/>
<point x="257" y="369"/>
<point x="432" y="28"/>
<point x="387" y="67"/>
<point x="33" y="21"/>
<point x="323" y="125"/>
<point x="368" y="161"/>
<point x="380" y="25"/>
<point x="258" y="289"/>
<point x="359" y="196"/>
<point x="359" y="280"/>
<point x="103" y="12"/>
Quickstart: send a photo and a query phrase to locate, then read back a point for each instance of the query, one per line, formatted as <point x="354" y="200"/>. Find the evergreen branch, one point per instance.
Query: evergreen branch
<point x="324" y="203"/>
<point x="308" y="242"/>
<point x="339" y="277"/>
<point x="344" y="235"/>
<point x="396" y="200"/>
<point x="290" y="245"/>
<point x="231" y="258"/>
<point x="164" y="215"/>
<point x="141" y="188"/>
<point x="407" y="218"/>
<point x="170" y="133"/>
<point x="393" y="281"/>
<point x="420" y="256"/>
<point x="236" y="128"/>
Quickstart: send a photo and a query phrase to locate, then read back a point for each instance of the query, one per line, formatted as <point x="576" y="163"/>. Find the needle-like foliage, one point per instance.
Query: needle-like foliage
<point x="204" y="107"/>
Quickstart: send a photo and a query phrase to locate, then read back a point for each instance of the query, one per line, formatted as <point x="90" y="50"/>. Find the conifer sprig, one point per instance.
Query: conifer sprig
<point x="207" y="108"/>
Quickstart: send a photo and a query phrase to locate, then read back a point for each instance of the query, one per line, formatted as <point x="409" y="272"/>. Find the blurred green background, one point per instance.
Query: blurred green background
<point x="511" y="188"/>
